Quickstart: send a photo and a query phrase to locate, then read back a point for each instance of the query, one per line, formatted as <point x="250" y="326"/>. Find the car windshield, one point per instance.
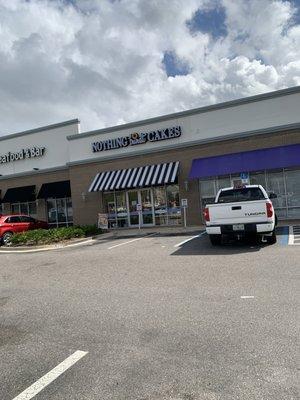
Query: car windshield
<point x="243" y="194"/>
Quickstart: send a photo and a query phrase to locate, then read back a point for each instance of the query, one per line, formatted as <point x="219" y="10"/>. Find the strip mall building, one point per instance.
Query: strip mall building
<point x="143" y="172"/>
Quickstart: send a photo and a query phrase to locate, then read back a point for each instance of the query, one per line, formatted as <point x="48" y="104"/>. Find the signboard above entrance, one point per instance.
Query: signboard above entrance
<point x="137" y="138"/>
<point x="23" y="154"/>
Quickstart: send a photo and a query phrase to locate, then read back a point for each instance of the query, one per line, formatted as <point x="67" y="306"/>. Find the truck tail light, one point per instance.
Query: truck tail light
<point x="270" y="210"/>
<point x="206" y="214"/>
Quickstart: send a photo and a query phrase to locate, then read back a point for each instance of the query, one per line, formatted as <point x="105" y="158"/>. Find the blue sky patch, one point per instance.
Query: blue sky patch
<point x="211" y="21"/>
<point x="173" y="65"/>
<point x="296" y="18"/>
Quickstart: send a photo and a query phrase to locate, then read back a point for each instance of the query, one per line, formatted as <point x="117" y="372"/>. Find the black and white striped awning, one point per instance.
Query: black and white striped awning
<point x="149" y="175"/>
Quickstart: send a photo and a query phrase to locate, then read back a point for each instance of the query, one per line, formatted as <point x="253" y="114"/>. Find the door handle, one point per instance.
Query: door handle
<point x="236" y="208"/>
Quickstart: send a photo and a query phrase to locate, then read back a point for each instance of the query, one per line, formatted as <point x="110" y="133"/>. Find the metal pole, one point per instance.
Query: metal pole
<point x="184" y="216"/>
<point x="139" y="219"/>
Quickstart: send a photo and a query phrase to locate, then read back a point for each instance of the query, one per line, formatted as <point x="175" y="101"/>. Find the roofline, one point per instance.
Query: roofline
<point x="179" y="146"/>
<point x="40" y="129"/>
<point x="218" y="106"/>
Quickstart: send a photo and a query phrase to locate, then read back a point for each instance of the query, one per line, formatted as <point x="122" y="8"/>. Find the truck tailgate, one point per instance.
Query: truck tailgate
<point x="240" y="212"/>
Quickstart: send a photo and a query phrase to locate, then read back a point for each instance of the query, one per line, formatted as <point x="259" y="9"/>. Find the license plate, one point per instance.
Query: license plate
<point x="238" y="227"/>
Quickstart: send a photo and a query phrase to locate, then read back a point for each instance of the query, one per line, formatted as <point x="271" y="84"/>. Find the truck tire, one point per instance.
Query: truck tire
<point x="215" y="239"/>
<point x="271" y="239"/>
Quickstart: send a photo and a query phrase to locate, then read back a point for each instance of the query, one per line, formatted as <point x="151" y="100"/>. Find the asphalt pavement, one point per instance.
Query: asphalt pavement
<point x="157" y="317"/>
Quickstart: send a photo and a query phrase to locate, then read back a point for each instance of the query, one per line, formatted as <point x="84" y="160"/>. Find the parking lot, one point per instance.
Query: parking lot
<point x="150" y="317"/>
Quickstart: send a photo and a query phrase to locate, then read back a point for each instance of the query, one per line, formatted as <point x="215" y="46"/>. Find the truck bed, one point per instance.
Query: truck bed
<point x="237" y="213"/>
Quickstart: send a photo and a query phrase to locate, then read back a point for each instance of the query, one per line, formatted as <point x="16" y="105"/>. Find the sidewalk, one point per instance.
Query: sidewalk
<point x="162" y="230"/>
<point x="168" y="230"/>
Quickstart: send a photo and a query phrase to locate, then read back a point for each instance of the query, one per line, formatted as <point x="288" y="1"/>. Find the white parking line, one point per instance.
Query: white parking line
<point x="189" y="239"/>
<point x="291" y="235"/>
<point x="130" y="241"/>
<point x="45" y="380"/>
<point x="247" y="297"/>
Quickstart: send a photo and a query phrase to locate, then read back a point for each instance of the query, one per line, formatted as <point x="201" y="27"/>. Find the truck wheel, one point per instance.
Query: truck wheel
<point x="215" y="239"/>
<point x="6" y="238"/>
<point x="272" y="239"/>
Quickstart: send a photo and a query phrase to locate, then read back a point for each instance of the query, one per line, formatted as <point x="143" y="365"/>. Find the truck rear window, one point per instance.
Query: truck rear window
<point x="243" y="194"/>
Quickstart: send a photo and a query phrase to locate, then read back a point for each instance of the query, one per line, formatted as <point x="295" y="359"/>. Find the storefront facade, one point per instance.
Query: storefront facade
<point x="141" y="174"/>
<point x="34" y="173"/>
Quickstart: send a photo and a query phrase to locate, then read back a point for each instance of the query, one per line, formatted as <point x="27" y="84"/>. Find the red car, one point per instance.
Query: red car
<point x="10" y="224"/>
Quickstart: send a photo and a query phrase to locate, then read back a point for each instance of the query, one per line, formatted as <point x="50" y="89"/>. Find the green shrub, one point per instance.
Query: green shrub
<point x="30" y="237"/>
<point x="90" y="230"/>
<point x="42" y="236"/>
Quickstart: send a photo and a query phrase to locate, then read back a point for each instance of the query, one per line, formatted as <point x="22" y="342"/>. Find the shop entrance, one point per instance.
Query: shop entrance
<point x="144" y="198"/>
<point x="160" y="205"/>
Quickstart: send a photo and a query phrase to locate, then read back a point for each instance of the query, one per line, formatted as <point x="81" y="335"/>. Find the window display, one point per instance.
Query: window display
<point x="158" y="206"/>
<point x="59" y="212"/>
<point x="284" y="183"/>
<point x="28" y="208"/>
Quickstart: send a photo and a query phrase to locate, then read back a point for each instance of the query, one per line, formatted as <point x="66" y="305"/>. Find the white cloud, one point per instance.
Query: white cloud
<point x="101" y="60"/>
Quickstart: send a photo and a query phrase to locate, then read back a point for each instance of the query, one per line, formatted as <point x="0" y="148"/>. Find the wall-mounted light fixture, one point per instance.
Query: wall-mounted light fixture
<point x="186" y="185"/>
<point x="83" y="195"/>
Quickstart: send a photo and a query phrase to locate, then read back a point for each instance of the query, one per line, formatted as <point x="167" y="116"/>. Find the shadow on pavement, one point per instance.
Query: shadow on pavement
<point x="202" y="246"/>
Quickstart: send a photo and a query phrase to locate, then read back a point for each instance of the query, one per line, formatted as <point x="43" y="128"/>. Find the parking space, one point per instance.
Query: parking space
<point x="294" y="235"/>
<point x="153" y="316"/>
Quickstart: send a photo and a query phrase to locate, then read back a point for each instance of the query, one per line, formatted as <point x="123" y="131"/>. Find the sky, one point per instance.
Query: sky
<point x="109" y="62"/>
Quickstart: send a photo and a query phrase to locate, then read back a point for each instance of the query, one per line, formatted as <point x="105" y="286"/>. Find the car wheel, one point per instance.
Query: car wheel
<point x="271" y="239"/>
<point x="215" y="239"/>
<point x="6" y="238"/>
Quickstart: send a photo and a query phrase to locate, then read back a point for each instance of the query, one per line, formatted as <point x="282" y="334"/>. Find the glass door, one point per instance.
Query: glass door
<point x="133" y="200"/>
<point x="146" y="201"/>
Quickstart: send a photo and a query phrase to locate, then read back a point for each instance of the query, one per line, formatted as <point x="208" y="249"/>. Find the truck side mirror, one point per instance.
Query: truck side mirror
<point x="272" y="195"/>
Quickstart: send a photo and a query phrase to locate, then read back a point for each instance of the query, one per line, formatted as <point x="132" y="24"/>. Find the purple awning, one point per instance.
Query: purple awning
<point x="255" y="160"/>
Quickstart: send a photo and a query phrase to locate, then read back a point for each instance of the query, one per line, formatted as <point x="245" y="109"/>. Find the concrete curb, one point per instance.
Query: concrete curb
<point x="36" y="249"/>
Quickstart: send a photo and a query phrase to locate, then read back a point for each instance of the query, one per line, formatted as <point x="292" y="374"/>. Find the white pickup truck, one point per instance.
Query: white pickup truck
<point x="239" y="212"/>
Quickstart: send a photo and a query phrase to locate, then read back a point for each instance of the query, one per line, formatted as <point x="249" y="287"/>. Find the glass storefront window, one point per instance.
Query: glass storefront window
<point x="258" y="178"/>
<point x="121" y="205"/>
<point x="275" y="183"/>
<point x="28" y="208"/>
<point x="284" y="183"/>
<point x="23" y="208"/>
<point x="69" y="210"/>
<point x="51" y="211"/>
<point x="293" y="188"/>
<point x="294" y="213"/>
<point x="15" y="208"/>
<point x="223" y="182"/>
<point x="147" y="206"/>
<point x="208" y="188"/>
<point x="174" y="209"/>
<point x="32" y="211"/>
<point x="110" y="209"/>
<point x="292" y="179"/>
<point x="207" y="191"/>
<point x="59" y="212"/>
<point x="160" y="206"/>
<point x="133" y="200"/>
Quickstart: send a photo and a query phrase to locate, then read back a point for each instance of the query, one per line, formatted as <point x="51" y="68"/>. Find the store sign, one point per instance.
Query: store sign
<point x="32" y="152"/>
<point x="245" y="177"/>
<point x="184" y="203"/>
<point x="102" y="221"/>
<point x="137" y="138"/>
